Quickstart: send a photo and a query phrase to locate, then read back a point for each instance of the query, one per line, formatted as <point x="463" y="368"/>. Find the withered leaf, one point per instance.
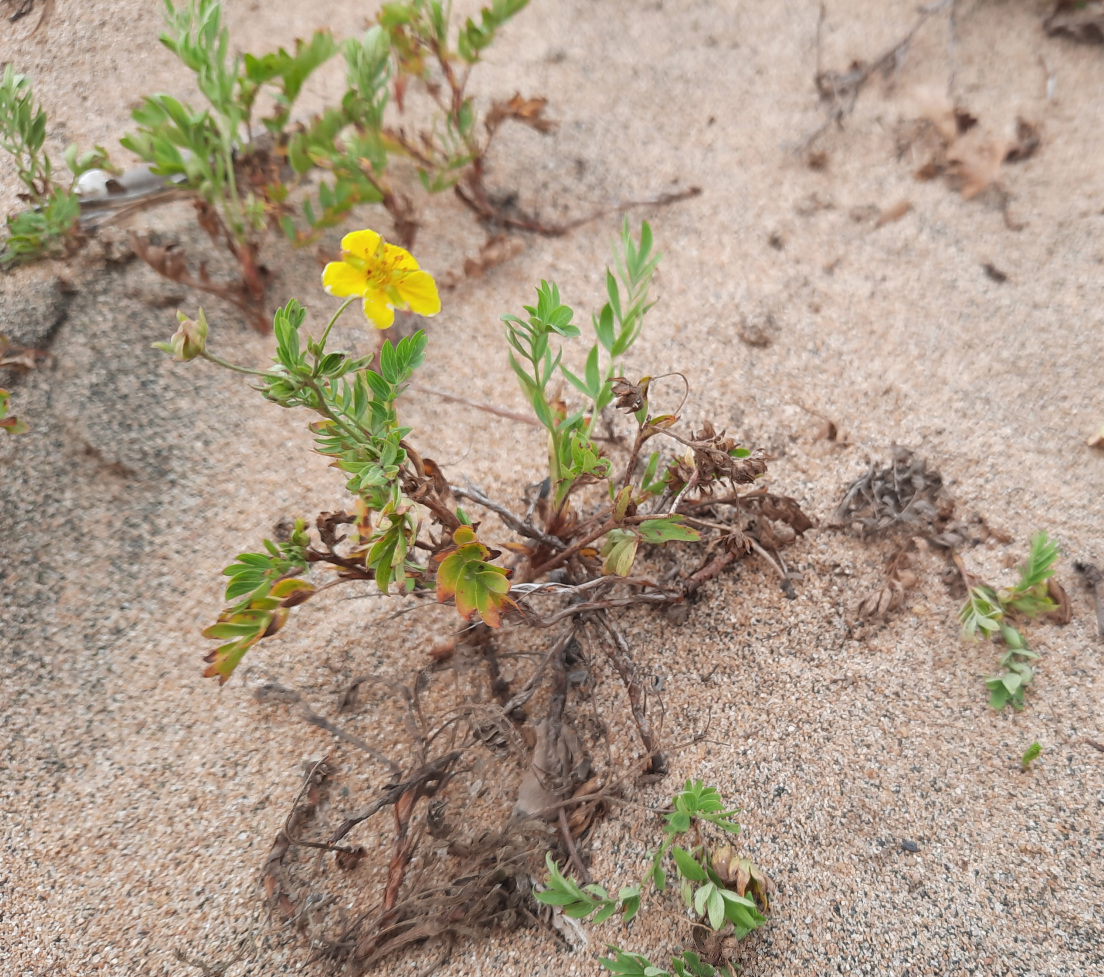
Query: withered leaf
<point x="1057" y="593"/>
<point x="1027" y="141"/>
<point x="629" y="397"/>
<point x="892" y="214"/>
<point x="349" y="860"/>
<point x="973" y="166"/>
<point x="1077" y="20"/>
<point x="782" y="508"/>
<point x="527" y="111"/>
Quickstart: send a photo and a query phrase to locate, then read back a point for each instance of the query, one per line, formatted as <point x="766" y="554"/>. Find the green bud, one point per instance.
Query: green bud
<point x="189" y="340"/>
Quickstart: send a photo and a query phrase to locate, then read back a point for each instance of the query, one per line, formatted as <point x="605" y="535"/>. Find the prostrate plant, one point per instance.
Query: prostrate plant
<point x="992" y="613"/>
<point x="243" y="177"/>
<point x="10" y="425"/>
<point x="721" y="892"/>
<point x="49" y="226"/>
<point x="405" y="531"/>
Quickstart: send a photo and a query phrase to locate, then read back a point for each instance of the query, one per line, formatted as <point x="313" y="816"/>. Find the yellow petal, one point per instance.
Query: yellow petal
<point x="377" y="310"/>
<point x="361" y="243"/>
<point x="418" y="290"/>
<point x="399" y="258"/>
<point x="341" y="279"/>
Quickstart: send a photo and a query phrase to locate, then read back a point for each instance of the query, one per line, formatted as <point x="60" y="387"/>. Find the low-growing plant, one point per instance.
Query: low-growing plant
<point x="721" y="892"/>
<point x="578" y="545"/>
<point x="10" y="424"/>
<point x="992" y="613"/>
<point x="49" y="225"/>
<point x="243" y="175"/>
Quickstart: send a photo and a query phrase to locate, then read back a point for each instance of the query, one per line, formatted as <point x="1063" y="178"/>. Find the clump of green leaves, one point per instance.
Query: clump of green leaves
<point x="244" y="182"/>
<point x="722" y="893"/>
<point x="49" y="225"/>
<point x="992" y="613"/>
<point x="398" y="495"/>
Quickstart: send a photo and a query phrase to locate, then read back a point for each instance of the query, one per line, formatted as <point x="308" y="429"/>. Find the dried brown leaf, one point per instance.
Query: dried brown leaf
<point x="1027" y="142"/>
<point x="629" y="396"/>
<point x="527" y="111"/>
<point x="1077" y="20"/>
<point x="974" y="165"/>
<point x="892" y="214"/>
<point x="497" y="251"/>
<point x="1057" y="593"/>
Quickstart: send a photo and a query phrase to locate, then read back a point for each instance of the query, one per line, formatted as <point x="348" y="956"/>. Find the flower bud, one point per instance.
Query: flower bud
<point x="189" y="340"/>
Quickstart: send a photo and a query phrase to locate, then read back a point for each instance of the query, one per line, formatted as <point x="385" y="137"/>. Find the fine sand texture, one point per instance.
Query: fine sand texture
<point x="138" y="800"/>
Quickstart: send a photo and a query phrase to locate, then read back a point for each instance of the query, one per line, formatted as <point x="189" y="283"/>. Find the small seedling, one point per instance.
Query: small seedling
<point x="992" y="613"/>
<point x="49" y="224"/>
<point x="721" y="892"/>
<point x="1030" y="754"/>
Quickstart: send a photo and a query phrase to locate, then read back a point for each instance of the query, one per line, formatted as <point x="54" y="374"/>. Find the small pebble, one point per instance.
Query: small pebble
<point x="910" y="845"/>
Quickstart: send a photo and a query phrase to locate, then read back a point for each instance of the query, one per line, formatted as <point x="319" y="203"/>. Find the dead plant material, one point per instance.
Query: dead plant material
<point x="906" y="494"/>
<point x="893" y="214"/>
<point x="1081" y="21"/>
<point x="497" y="251"/>
<point x="21" y="357"/>
<point x="272" y="873"/>
<point x="22" y="8"/>
<point x="528" y="111"/>
<point x="758" y="329"/>
<point x="898" y="579"/>
<point x="170" y="262"/>
<point x="966" y="157"/>
<point x="1057" y="593"/>
<point x="1093" y="579"/>
<point x="839" y="90"/>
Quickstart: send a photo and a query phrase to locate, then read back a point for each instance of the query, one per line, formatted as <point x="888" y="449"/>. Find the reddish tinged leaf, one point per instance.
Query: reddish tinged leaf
<point x="477" y="586"/>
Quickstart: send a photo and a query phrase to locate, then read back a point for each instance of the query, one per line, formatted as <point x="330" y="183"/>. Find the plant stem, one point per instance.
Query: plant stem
<point x="225" y="364"/>
<point x="329" y="325"/>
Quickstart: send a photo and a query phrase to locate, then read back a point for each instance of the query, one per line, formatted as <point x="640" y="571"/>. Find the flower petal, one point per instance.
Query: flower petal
<point x="341" y="279"/>
<point x="377" y="310"/>
<point x="399" y="258"/>
<point x="418" y="290"/>
<point x="361" y="243"/>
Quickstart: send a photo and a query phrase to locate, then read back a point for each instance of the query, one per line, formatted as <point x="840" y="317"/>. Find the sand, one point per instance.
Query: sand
<point x="140" y="800"/>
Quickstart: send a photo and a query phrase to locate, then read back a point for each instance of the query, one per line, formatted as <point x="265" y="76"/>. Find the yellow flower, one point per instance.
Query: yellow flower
<point x="387" y="276"/>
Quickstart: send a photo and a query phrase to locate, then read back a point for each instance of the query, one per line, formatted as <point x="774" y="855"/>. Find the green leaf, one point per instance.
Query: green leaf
<point x="619" y="551"/>
<point x="1030" y="754"/>
<point x="666" y="530"/>
<point x="476" y="585"/>
<point x="688" y="866"/>
<point x="716" y="908"/>
<point x="701" y="897"/>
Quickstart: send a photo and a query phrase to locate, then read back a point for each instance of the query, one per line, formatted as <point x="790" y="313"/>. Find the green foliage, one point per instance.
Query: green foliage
<point x="359" y="429"/>
<point x="476" y="585"/>
<point x="196" y="146"/>
<point x="49" y="226"/>
<point x="1030" y="755"/>
<point x="717" y="886"/>
<point x="685" y="964"/>
<point x="990" y="613"/>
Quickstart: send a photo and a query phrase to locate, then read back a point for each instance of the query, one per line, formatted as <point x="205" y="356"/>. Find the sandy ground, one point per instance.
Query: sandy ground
<point x="139" y="800"/>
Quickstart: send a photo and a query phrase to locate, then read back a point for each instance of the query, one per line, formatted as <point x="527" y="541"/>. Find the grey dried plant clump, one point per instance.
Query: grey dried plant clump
<point x="906" y="493"/>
